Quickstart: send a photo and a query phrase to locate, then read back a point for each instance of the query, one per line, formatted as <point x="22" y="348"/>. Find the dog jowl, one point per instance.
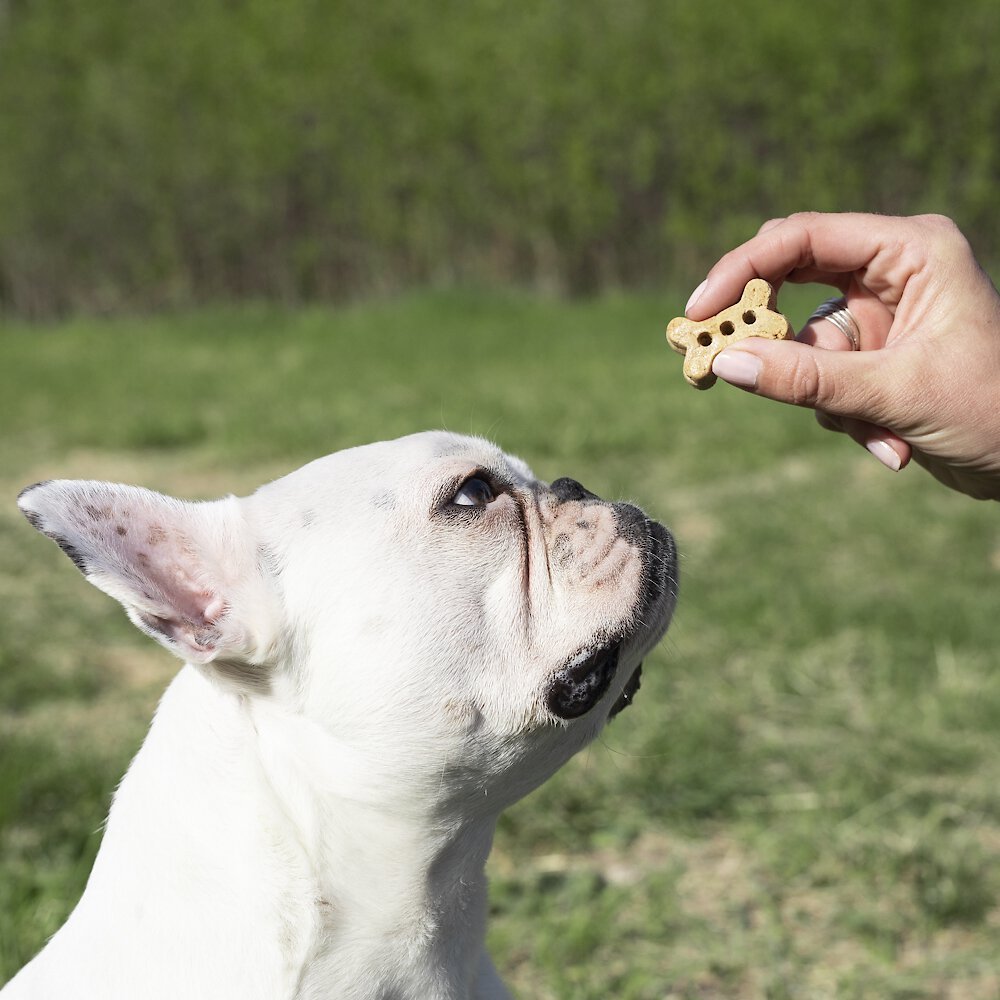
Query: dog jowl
<point x="382" y="651"/>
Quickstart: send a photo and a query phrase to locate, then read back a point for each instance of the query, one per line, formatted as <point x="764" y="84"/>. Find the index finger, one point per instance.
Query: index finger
<point x="810" y="246"/>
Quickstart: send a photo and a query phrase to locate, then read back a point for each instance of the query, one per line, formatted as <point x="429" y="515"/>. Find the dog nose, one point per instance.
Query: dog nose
<point x="569" y="489"/>
<point x="632" y="523"/>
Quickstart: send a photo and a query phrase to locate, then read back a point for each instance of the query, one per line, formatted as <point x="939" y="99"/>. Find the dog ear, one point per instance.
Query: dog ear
<point x="187" y="573"/>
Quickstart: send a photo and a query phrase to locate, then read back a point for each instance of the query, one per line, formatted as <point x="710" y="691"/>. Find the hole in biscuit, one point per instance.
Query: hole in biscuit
<point x="749" y="317"/>
<point x="704" y="338"/>
<point x="726" y="329"/>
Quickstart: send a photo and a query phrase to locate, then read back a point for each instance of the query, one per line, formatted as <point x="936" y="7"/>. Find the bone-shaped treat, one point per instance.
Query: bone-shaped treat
<point x="755" y="315"/>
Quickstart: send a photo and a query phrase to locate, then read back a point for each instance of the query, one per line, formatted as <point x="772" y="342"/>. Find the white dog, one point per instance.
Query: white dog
<point x="384" y="650"/>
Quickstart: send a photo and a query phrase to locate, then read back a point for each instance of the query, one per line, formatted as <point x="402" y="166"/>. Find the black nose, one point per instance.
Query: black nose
<point x="569" y="489"/>
<point x="632" y="523"/>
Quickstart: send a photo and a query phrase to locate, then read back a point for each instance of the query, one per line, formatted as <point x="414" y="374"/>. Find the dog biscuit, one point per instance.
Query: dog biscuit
<point x="755" y="315"/>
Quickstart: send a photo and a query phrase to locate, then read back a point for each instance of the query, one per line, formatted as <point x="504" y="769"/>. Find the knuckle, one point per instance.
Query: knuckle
<point x="807" y="220"/>
<point x="944" y="233"/>
<point x="807" y="384"/>
<point x="941" y="223"/>
<point x="771" y="224"/>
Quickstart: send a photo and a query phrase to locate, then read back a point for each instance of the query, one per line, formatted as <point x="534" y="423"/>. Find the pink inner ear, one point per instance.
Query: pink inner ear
<point x="180" y="608"/>
<point x="178" y="589"/>
<point x="172" y="588"/>
<point x="160" y="557"/>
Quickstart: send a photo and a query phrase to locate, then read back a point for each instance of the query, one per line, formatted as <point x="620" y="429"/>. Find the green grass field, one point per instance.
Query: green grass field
<point x="804" y="801"/>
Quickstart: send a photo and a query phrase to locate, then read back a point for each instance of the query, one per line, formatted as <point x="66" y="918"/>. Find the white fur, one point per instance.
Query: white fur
<point x="365" y="691"/>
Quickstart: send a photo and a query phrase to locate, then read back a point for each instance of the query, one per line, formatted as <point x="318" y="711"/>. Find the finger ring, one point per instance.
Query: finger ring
<point x="836" y="312"/>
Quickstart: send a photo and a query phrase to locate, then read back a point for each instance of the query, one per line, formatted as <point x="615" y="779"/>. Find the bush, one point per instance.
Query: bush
<point x="170" y="153"/>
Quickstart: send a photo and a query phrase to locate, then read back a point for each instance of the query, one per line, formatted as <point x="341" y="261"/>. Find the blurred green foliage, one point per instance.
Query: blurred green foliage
<point x="160" y="154"/>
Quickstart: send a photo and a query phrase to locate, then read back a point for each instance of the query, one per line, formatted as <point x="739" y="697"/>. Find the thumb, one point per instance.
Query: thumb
<point x="843" y="383"/>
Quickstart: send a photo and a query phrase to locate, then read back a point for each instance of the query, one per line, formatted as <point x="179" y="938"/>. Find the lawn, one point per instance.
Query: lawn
<point x="804" y="801"/>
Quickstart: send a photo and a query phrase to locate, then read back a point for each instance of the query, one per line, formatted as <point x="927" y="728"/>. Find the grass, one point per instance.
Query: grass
<point x="804" y="801"/>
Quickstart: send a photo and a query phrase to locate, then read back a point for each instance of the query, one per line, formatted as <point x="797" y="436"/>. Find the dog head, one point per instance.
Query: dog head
<point x="425" y="601"/>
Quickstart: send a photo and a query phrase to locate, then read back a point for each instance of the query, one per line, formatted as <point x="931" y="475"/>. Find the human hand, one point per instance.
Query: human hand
<point x="926" y="380"/>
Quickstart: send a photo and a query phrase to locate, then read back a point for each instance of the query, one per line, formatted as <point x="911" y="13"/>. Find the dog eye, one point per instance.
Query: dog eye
<point x="474" y="492"/>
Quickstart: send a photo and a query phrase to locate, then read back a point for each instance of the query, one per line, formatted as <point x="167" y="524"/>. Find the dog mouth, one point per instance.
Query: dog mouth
<point x="587" y="675"/>
<point x="629" y="692"/>
<point x="583" y="682"/>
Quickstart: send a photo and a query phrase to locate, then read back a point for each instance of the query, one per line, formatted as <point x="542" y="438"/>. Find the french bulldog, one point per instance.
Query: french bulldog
<point x="383" y="650"/>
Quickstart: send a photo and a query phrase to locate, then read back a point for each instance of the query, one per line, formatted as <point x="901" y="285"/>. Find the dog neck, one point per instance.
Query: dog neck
<point x="244" y="849"/>
<point x="397" y="870"/>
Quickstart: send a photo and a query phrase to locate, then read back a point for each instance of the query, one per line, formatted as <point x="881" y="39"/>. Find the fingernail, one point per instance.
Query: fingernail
<point x="885" y="453"/>
<point x="695" y="295"/>
<point x="740" y="368"/>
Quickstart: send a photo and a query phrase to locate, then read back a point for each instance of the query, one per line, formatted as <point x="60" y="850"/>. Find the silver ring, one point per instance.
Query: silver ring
<point x="836" y="312"/>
